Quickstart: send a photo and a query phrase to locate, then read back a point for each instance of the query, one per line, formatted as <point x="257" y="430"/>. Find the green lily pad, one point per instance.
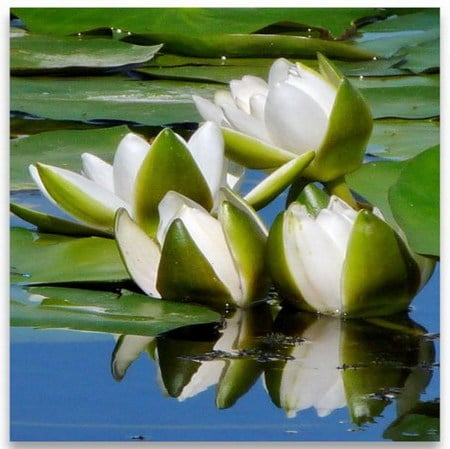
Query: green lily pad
<point x="36" y="53"/>
<point x="194" y="21"/>
<point x="252" y="45"/>
<point x="61" y="148"/>
<point x="414" y="200"/>
<point x="47" y="258"/>
<point x="108" y="98"/>
<point x="403" y="139"/>
<point x="373" y="180"/>
<point x="99" y="311"/>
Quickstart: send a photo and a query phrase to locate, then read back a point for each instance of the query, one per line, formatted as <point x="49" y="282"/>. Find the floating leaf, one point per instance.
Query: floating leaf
<point x="414" y="200"/>
<point x="252" y="45"/>
<point x="62" y="149"/>
<point x="402" y="139"/>
<point x="373" y="180"/>
<point x="100" y="311"/>
<point x="47" y="258"/>
<point x="193" y="21"/>
<point x="108" y="98"/>
<point x="37" y="53"/>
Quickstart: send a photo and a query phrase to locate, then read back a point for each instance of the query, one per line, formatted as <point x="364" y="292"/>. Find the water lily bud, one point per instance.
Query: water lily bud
<point x="138" y="179"/>
<point x="266" y="124"/>
<point x="358" y="364"/>
<point x="195" y="256"/>
<point x="342" y="262"/>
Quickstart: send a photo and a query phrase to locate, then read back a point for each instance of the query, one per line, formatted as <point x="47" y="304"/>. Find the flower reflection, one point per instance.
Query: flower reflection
<point x="361" y="364"/>
<point x="304" y="360"/>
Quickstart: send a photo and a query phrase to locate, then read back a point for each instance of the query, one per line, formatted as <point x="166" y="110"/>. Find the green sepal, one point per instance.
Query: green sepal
<point x="184" y="272"/>
<point x="246" y="242"/>
<point x="314" y="199"/>
<point x="226" y="194"/>
<point x="379" y="276"/>
<point x="168" y="166"/>
<point x="54" y="225"/>
<point x="329" y="70"/>
<point x="349" y="128"/>
<point x="278" y="266"/>
<point x="253" y="153"/>
<point x="268" y="189"/>
<point x="76" y="202"/>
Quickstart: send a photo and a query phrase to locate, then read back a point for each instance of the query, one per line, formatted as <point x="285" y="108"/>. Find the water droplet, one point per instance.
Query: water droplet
<point x="118" y="30"/>
<point x="309" y="30"/>
<point x="361" y="77"/>
<point x="78" y="34"/>
<point x="129" y="33"/>
<point x="375" y="58"/>
<point x="223" y="58"/>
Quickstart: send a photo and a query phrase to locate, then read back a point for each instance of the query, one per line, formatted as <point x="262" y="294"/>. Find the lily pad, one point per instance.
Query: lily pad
<point x="194" y="21"/>
<point x="108" y="98"/>
<point x="101" y="311"/>
<point x="252" y="45"/>
<point x="403" y="139"/>
<point x="372" y="182"/>
<point x="47" y="258"/>
<point x="415" y="204"/>
<point x="62" y="149"/>
<point x="37" y="53"/>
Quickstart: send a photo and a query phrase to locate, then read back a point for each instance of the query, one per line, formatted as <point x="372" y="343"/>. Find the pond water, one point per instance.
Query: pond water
<point x="261" y="375"/>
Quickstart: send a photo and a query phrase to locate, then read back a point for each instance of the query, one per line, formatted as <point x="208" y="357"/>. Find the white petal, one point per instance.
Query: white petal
<point x="98" y="170"/>
<point x="294" y="120"/>
<point x="140" y="254"/>
<point x="279" y="72"/>
<point x="128" y="159"/>
<point x="234" y="175"/>
<point x="207" y="147"/>
<point x="207" y="234"/>
<point x="313" y="84"/>
<point x="257" y="106"/>
<point x="337" y="226"/>
<point x="170" y="208"/>
<point x="242" y="90"/>
<point x="315" y="261"/>
<point x="245" y="123"/>
<point x="208" y="110"/>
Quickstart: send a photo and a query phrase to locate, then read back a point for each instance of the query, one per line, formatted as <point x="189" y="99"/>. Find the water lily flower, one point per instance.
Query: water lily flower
<point x="330" y="365"/>
<point x="139" y="177"/>
<point x="340" y="261"/>
<point x="195" y="256"/>
<point x="266" y="124"/>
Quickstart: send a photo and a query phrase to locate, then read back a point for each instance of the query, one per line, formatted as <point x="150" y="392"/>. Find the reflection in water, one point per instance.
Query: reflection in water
<point x="304" y="360"/>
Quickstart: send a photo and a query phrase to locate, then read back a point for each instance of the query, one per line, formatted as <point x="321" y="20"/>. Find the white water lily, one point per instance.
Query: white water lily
<point x="265" y="124"/>
<point x="340" y="261"/>
<point x="140" y="176"/>
<point x="195" y="256"/>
